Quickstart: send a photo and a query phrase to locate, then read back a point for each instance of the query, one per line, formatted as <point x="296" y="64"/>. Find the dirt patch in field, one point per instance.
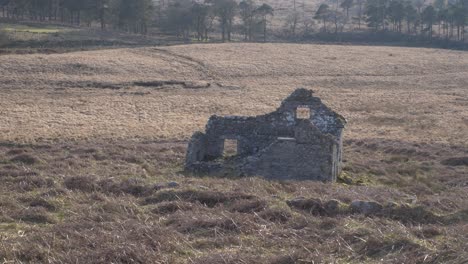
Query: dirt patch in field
<point x="183" y="84"/>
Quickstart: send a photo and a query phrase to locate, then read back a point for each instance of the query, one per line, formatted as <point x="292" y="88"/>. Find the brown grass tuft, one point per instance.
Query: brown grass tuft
<point x="277" y="215"/>
<point x="32" y="183"/>
<point x="25" y="159"/>
<point x="248" y="206"/>
<point x="312" y="206"/>
<point x="40" y="203"/>
<point x="81" y="183"/>
<point x="204" y="225"/>
<point x="428" y="232"/>
<point x="15" y="152"/>
<point x="459" y="161"/>
<point x="207" y="198"/>
<point x="410" y="214"/>
<point x="134" y="186"/>
<point x="286" y="259"/>
<point x="229" y="258"/>
<point x="377" y="247"/>
<point x="17" y="172"/>
<point x="35" y="215"/>
<point x="171" y="207"/>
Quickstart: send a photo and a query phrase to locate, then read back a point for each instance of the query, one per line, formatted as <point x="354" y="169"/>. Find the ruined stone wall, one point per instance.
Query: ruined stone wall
<point x="325" y="119"/>
<point x="197" y="148"/>
<point x="287" y="159"/>
<point x="276" y="145"/>
<point x="252" y="133"/>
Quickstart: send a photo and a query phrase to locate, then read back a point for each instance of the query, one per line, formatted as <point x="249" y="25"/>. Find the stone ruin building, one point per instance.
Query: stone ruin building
<point x="301" y="140"/>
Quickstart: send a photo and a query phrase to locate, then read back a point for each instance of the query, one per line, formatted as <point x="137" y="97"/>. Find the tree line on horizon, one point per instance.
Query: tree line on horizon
<point x="182" y="17"/>
<point x="191" y="18"/>
<point x="130" y="15"/>
<point x="446" y="18"/>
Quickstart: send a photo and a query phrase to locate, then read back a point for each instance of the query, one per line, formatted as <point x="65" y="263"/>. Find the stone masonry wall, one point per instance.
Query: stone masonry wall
<point x="278" y="145"/>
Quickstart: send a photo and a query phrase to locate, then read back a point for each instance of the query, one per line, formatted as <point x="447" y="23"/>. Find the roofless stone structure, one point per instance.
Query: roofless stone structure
<point x="301" y="140"/>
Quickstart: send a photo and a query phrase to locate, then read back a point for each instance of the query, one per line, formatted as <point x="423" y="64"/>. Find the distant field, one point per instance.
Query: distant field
<point x="36" y="29"/>
<point x="90" y="140"/>
<point x="399" y="93"/>
<point x="28" y="38"/>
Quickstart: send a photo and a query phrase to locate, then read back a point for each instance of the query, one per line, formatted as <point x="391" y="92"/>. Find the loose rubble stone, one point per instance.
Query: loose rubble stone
<point x="311" y="205"/>
<point x="332" y="207"/>
<point x="366" y="207"/>
<point x="172" y="184"/>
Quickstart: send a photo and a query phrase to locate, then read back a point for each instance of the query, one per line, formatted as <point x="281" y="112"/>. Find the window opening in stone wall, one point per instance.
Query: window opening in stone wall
<point x="303" y="112"/>
<point x="230" y="147"/>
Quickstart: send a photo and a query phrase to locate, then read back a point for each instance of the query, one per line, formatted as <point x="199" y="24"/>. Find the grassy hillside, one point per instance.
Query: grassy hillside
<point x="33" y="37"/>
<point x="92" y="146"/>
<point x="386" y="92"/>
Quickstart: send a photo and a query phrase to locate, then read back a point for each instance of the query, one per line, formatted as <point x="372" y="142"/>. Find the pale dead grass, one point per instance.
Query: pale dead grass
<point x="103" y="201"/>
<point x="411" y="94"/>
<point x="91" y="182"/>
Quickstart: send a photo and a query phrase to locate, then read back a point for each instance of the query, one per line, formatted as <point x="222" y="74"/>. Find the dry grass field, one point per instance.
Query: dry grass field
<point x="91" y="141"/>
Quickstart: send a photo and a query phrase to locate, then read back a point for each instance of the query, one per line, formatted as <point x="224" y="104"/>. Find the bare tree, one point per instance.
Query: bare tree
<point x="346" y="5"/>
<point x="247" y="8"/>
<point x="323" y="14"/>
<point x="225" y="11"/>
<point x="264" y="11"/>
<point x="360" y="5"/>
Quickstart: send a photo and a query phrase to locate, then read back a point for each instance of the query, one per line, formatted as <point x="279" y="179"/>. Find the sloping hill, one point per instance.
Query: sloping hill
<point x="398" y="93"/>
